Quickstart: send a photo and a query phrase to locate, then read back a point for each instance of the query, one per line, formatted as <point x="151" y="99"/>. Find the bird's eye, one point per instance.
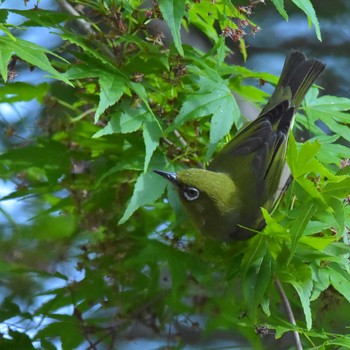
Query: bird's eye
<point x="191" y="193"/>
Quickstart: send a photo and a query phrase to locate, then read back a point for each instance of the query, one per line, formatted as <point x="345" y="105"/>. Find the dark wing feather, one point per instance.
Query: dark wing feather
<point x="255" y="158"/>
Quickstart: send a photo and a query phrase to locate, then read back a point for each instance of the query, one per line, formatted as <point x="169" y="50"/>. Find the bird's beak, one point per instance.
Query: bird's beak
<point x="167" y="175"/>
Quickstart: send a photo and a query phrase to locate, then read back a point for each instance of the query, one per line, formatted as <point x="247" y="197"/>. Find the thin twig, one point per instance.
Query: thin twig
<point x="85" y="28"/>
<point x="289" y="312"/>
<point x="181" y="139"/>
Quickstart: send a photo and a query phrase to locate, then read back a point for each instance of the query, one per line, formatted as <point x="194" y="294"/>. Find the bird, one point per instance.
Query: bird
<point x="224" y="200"/>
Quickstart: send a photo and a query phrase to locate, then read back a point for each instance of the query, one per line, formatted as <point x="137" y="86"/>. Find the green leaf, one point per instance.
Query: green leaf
<point x="39" y="157"/>
<point x="221" y="50"/>
<point x="3" y="15"/>
<point x="305" y="159"/>
<point x="173" y="11"/>
<point x="88" y="48"/>
<point x="343" y="342"/>
<point x="130" y="161"/>
<point x="20" y="341"/>
<point x="19" y="91"/>
<point x="255" y="251"/>
<point x="43" y="18"/>
<point x="112" y="87"/>
<point x="340" y="280"/>
<point x="54" y="227"/>
<point x="68" y="329"/>
<point x="198" y="17"/>
<point x="339" y="189"/>
<point x="300" y="276"/>
<point x="332" y="111"/>
<point x="147" y="189"/>
<point x="308" y="186"/>
<point x="301" y="220"/>
<point x="280" y="8"/>
<point x="329" y="104"/>
<point x="124" y="120"/>
<point x="307" y="7"/>
<point x="151" y="135"/>
<point x="319" y="243"/>
<point x="213" y="99"/>
<point x="130" y="119"/>
<point x="338" y="213"/>
<point x="256" y="283"/>
<point x="292" y="154"/>
<point x="272" y="228"/>
<point x="321" y="281"/>
<point x="180" y="263"/>
<point x="33" y="54"/>
<point x="9" y="309"/>
<point x="5" y="55"/>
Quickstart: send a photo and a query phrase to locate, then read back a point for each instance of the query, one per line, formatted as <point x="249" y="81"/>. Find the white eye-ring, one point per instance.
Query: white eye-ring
<point x="191" y="193"/>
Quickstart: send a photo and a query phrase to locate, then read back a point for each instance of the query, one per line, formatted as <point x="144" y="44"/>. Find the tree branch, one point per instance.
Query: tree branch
<point x="289" y="312"/>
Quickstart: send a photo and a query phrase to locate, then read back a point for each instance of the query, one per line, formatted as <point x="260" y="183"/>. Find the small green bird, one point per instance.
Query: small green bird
<point x="224" y="202"/>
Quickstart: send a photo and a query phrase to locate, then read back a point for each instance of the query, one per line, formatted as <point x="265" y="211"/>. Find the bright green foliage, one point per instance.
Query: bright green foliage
<point x="307" y="7"/>
<point x="124" y="100"/>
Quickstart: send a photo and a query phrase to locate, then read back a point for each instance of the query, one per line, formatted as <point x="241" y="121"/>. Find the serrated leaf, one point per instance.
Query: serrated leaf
<point x="307" y="7"/>
<point x="33" y="54"/>
<point x="213" y="99"/>
<point x="223" y="119"/>
<point x="3" y="15"/>
<point x="329" y="103"/>
<point x="198" y="17"/>
<point x="340" y="280"/>
<point x="319" y="243"/>
<point x="303" y="216"/>
<point x="112" y="87"/>
<point x="309" y="186"/>
<point x="272" y="228"/>
<point x="43" y="18"/>
<point x="339" y="189"/>
<point x="88" y="48"/>
<point x="321" y="281"/>
<point x="302" y="282"/>
<point x="173" y="11"/>
<point x="221" y="50"/>
<point x="151" y="135"/>
<point x="305" y="158"/>
<point x="338" y="213"/>
<point x="124" y="120"/>
<point x="256" y="282"/>
<point x="255" y="251"/>
<point x="343" y="342"/>
<point x="147" y="189"/>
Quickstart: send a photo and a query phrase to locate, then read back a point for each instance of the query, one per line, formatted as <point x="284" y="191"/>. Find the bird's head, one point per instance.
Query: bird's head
<point x="210" y="198"/>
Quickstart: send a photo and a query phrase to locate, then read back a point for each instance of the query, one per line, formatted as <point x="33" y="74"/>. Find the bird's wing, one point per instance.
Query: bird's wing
<point x="258" y="151"/>
<point x="256" y="155"/>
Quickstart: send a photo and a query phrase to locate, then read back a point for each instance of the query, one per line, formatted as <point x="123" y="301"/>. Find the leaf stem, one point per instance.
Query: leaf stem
<point x="289" y="312"/>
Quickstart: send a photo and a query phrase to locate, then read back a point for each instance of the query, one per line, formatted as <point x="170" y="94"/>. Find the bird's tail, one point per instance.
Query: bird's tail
<point x="298" y="74"/>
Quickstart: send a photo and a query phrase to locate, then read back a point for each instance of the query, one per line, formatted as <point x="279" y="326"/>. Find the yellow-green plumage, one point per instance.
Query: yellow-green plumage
<point x="224" y="201"/>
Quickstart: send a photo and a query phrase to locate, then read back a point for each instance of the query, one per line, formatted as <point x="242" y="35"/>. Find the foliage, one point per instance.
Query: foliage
<point x="123" y="101"/>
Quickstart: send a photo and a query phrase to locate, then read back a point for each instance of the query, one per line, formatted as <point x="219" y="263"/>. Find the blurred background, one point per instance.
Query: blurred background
<point x="266" y="52"/>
